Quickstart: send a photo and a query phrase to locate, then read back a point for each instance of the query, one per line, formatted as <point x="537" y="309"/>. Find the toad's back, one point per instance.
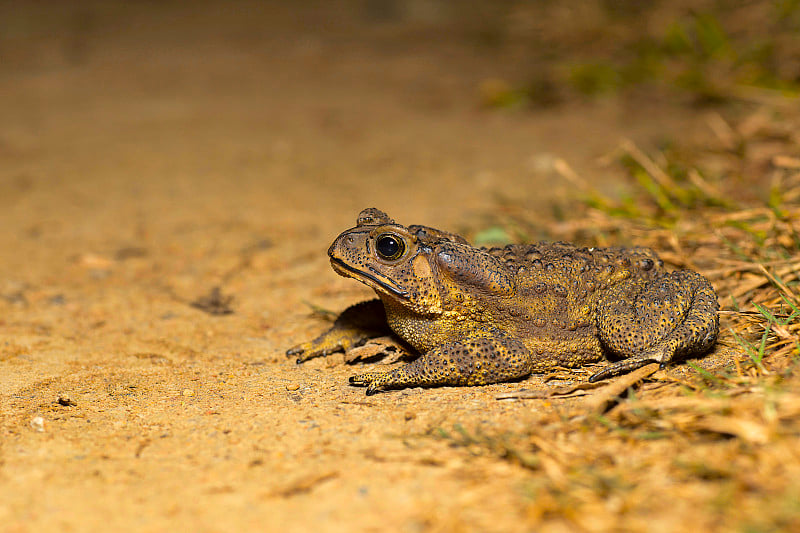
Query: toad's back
<point x="557" y="289"/>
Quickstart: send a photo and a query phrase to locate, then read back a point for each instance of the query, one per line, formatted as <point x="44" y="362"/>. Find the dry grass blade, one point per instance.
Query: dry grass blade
<point x="777" y="282"/>
<point x="743" y="428"/>
<point x="303" y="484"/>
<point x="785" y="161"/>
<point x="607" y="397"/>
<point x="727" y="136"/>
<point x="663" y="179"/>
<point x="746" y="413"/>
<point x="698" y="181"/>
<point x="577" y="389"/>
<point x="565" y="171"/>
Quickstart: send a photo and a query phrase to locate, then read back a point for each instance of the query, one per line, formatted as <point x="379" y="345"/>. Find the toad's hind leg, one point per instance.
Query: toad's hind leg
<point x="476" y="361"/>
<point x="659" y="320"/>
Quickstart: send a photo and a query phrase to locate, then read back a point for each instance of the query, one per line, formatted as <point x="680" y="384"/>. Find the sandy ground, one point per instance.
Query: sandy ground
<point x="150" y="152"/>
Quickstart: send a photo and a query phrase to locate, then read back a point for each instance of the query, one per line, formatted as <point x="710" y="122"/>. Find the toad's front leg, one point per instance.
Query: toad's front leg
<point x="354" y="326"/>
<point x="477" y="361"/>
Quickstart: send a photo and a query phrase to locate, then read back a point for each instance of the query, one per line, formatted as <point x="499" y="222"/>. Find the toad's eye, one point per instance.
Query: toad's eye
<point x="389" y="247"/>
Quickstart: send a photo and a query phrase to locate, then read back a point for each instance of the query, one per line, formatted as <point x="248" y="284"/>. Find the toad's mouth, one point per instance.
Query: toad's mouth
<point x="343" y="269"/>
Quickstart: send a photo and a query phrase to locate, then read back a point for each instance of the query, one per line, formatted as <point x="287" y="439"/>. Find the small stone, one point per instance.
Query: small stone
<point x="95" y="261"/>
<point x="188" y="392"/>
<point x="65" y="400"/>
<point x="292" y="387"/>
<point x="37" y="423"/>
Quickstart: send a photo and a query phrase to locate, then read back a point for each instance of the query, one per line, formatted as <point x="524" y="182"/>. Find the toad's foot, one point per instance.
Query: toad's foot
<point x="355" y="326"/>
<point x="476" y="361"/>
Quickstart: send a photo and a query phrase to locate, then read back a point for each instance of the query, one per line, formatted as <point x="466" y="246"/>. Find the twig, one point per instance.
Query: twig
<point x="603" y="400"/>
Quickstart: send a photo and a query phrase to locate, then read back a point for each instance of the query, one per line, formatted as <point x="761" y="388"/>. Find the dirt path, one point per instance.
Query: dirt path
<point x="149" y="153"/>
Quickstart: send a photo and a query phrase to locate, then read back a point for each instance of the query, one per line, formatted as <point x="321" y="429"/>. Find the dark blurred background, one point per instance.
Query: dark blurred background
<point x="263" y="105"/>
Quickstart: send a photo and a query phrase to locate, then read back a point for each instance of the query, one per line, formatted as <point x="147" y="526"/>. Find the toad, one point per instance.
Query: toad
<point x="478" y="316"/>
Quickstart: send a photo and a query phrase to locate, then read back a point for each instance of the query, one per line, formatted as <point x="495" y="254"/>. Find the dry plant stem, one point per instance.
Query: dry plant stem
<point x="785" y="161"/>
<point x="663" y="179"/>
<point x="724" y="132"/>
<point x="605" y="399"/>
<point x="541" y="394"/>
<point x="786" y="290"/>
<point x="304" y="484"/>
<point x="698" y="181"/>
<point x="566" y="171"/>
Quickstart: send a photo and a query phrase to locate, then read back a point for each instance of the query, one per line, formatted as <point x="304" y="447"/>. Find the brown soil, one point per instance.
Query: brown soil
<point x="152" y="152"/>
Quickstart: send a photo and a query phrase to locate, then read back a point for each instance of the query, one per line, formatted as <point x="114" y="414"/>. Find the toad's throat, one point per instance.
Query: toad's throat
<point x="346" y="270"/>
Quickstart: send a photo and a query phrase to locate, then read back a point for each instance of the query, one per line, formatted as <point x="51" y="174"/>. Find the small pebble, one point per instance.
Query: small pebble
<point x="292" y="386"/>
<point x="37" y="423"/>
<point x="188" y="392"/>
<point x="65" y="400"/>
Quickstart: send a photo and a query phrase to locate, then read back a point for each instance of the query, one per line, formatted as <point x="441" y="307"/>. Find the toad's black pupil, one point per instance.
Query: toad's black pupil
<point x="389" y="247"/>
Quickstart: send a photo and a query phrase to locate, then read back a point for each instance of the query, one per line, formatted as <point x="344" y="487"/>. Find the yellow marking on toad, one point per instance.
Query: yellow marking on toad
<point x="421" y="267"/>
